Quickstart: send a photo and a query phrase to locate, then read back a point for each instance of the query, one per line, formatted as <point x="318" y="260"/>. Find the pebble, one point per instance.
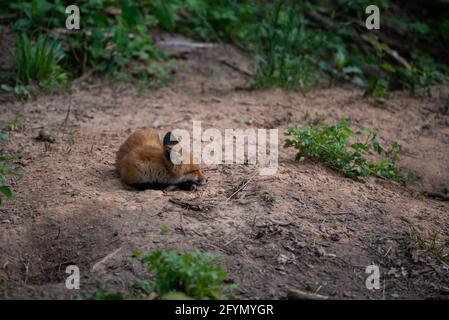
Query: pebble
<point x="45" y="135"/>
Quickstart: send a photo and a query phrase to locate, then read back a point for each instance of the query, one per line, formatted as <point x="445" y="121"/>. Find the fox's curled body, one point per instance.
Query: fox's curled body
<point x="144" y="161"/>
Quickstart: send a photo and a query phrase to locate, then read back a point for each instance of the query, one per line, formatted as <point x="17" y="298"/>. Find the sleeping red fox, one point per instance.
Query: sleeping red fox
<point x="145" y="162"/>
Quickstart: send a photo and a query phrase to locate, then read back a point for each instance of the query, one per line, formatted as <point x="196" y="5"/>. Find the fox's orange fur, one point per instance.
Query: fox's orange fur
<point x="143" y="161"/>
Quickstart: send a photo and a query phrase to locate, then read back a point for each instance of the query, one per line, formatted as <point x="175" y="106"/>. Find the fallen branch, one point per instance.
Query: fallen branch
<point x="235" y="68"/>
<point x="64" y="124"/>
<point x="391" y="52"/>
<point x="102" y="261"/>
<point x="294" y="294"/>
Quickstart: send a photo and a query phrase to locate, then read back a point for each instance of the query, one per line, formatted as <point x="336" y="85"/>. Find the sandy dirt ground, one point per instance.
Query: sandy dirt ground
<point x="305" y="228"/>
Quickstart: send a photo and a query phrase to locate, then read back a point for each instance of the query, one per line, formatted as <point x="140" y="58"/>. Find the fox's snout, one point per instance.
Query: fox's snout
<point x="201" y="182"/>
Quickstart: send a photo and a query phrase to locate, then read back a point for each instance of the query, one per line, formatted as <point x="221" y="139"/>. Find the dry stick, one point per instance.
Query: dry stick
<point x="235" y="68"/>
<point x="102" y="261"/>
<point x="294" y="294"/>
<point x="241" y="188"/>
<point x="232" y="240"/>
<point x="67" y="115"/>
<point x="392" y="53"/>
<point x="390" y="40"/>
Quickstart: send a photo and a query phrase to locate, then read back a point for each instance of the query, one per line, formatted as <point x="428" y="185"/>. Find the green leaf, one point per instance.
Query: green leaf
<point x="388" y="67"/>
<point x="130" y="13"/>
<point x="164" y="12"/>
<point x="421" y="28"/>
<point x="340" y="58"/>
<point x="6" y="191"/>
<point x="352" y="70"/>
<point x="176" y="295"/>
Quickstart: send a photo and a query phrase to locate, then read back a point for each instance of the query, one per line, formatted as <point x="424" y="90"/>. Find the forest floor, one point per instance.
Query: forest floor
<point x="305" y="228"/>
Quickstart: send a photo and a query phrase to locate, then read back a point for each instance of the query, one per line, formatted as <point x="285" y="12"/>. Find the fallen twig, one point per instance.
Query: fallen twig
<point x="64" y="123"/>
<point x="102" y="261"/>
<point x="241" y="187"/>
<point x="235" y="68"/>
<point x="295" y="294"/>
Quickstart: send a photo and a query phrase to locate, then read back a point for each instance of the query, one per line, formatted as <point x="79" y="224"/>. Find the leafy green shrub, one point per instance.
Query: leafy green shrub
<point x="113" y="32"/>
<point x="378" y="88"/>
<point x="285" y="47"/>
<point x="196" y="274"/>
<point x="423" y="73"/>
<point x="165" y="13"/>
<point x="117" y="40"/>
<point x="37" y="15"/>
<point x="218" y="20"/>
<point x="38" y="64"/>
<point x="289" y="40"/>
<point x="331" y="145"/>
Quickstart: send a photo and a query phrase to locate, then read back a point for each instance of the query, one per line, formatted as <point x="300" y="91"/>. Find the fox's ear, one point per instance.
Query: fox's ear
<point x="171" y="154"/>
<point x="170" y="139"/>
<point x="172" y="157"/>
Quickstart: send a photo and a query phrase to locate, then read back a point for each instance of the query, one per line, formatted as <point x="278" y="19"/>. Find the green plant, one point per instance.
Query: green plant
<point x="431" y="244"/>
<point x="114" y="32"/>
<point x="285" y="47"/>
<point x="343" y="69"/>
<point x="165" y="13"/>
<point x="216" y="20"/>
<point x="101" y="293"/>
<point x="268" y="198"/>
<point x="331" y="145"/>
<point x="38" y="64"/>
<point x="37" y="14"/>
<point x="5" y="160"/>
<point x="423" y="73"/>
<point x="5" y="170"/>
<point x="196" y="274"/>
<point x="164" y="228"/>
<point x="289" y="40"/>
<point x="378" y="88"/>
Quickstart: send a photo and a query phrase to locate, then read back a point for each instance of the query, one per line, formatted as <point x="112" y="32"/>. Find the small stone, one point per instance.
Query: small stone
<point x="335" y="237"/>
<point x="45" y="135"/>
<point x="301" y="244"/>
